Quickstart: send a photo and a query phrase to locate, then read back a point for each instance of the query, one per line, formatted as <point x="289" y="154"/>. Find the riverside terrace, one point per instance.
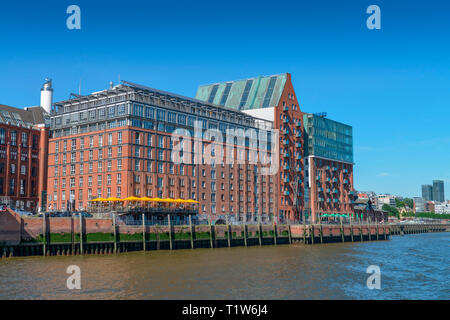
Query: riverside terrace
<point x="151" y="211"/>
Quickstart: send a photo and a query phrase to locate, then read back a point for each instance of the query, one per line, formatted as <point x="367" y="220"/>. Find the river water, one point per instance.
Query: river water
<point x="412" y="267"/>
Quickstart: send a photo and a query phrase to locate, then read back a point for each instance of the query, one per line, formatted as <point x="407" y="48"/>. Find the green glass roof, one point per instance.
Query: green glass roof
<point x="252" y="93"/>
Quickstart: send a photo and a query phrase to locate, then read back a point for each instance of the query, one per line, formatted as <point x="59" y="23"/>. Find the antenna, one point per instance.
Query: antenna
<point x="79" y="88"/>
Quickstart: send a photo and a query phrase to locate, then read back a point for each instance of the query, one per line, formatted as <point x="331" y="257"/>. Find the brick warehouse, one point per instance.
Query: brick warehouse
<point x="23" y="157"/>
<point x="117" y="142"/>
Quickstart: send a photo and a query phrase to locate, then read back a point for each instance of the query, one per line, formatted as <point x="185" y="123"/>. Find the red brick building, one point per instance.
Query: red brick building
<point x="23" y="160"/>
<point x="118" y="143"/>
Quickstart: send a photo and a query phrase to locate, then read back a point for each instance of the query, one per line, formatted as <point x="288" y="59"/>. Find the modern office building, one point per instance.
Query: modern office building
<point x="438" y="191"/>
<point x="328" y="165"/>
<point x="118" y="143"/>
<point x="427" y="192"/>
<point x="311" y="147"/>
<point x="23" y="157"/>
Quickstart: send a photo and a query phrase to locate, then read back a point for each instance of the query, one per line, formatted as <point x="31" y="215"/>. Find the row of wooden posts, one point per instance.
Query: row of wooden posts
<point x="191" y="228"/>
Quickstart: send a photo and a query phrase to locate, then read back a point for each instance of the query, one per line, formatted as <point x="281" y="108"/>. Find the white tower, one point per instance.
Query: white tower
<point x="47" y="95"/>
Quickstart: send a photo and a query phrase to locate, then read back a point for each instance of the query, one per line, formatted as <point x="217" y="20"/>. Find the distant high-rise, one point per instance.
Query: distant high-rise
<point x="427" y="192"/>
<point x="438" y="191"/>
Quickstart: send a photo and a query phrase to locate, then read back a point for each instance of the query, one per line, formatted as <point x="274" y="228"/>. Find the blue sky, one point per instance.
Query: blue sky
<point x="392" y="85"/>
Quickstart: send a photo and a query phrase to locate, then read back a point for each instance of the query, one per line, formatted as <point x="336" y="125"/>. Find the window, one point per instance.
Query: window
<point x="13" y="138"/>
<point x="23" y="170"/>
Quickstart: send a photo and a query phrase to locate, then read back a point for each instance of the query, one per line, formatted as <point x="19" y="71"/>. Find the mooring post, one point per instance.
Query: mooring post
<point x="304" y="231"/>
<point x="351" y="229"/>
<point x="72" y="231"/>
<point x="289" y="233"/>
<point x="320" y="230"/>
<point x="260" y="233"/>
<point x="192" y="232"/>
<point x="360" y="229"/>
<point x="377" y="230"/>
<point x="210" y="233"/>
<point x="245" y="234"/>
<point x="144" y="240"/>
<point x="229" y="234"/>
<point x="369" y="229"/>
<point x="274" y="232"/>
<point x="44" y="232"/>
<point x="114" y="232"/>
<point x="81" y="233"/>
<point x="342" y="231"/>
<point x="170" y="231"/>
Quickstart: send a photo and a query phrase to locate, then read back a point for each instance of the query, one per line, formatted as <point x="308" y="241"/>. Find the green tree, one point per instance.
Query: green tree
<point x="392" y="211"/>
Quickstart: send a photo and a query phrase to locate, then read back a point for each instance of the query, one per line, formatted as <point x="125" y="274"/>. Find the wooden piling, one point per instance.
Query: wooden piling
<point x="44" y="232"/>
<point x="81" y="234"/>
<point x="144" y="240"/>
<point x="192" y="231"/>
<point x="260" y="233"/>
<point x="311" y="232"/>
<point x="210" y="233"/>
<point x="229" y="234"/>
<point x="170" y="232"/>
<point x="342" y="232"/>
<point x="274" y="233"/>
<point x="289" y="234"/>
<point x="114" y="232"/>
<point x="245" y="234"/>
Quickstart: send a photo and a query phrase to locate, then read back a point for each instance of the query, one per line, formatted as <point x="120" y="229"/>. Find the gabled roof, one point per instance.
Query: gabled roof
<point x="25" y="117"/>
<point x="252" y="93"/>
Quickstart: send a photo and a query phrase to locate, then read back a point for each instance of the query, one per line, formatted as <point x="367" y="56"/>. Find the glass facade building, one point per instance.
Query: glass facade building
<point x="438" y="191"/>
<point x="328" y="139"/>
